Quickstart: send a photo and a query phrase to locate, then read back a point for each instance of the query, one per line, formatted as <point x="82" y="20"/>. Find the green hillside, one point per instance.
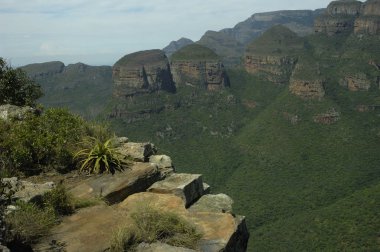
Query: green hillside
<point x="194" y="52"/>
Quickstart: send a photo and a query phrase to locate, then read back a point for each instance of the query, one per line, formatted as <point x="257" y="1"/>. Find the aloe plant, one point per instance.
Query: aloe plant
<point x="102" y="157"/>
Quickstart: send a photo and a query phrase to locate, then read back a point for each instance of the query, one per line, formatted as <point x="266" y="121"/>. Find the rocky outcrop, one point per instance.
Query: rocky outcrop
<point x="356" y="82"/>
<point x="330" y="117"/>
<point x="211" y="215"/>
<point x="12" y="112"/>
<point x="339" y="17"/>
<point x="306" y="81"/>
<point x="196" y="65"/>
<point x="369" y="20"/>
<point x="176" y="45"/>
<point x="142" y="72"/>
<point x="274" y="54"/>
<point x="346" y="16"/>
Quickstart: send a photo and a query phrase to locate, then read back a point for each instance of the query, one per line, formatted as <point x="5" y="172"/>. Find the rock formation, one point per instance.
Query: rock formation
<point x="274" y="54"/>
<point x="142" y="72"/>
<point x="369" y="20"/>
<point x="176" y="45"/>
<point x="196" y="65"/>
<point x="150" y="184"/>
<point x="330" y="117"/>
<point x="346" y="16"/>
<point x="306" y="81"/>
<point x="356" y="82"/>
<point x="338" y="18"/>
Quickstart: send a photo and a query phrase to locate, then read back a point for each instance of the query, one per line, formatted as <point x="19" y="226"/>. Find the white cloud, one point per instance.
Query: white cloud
<point x="71" y="28"/>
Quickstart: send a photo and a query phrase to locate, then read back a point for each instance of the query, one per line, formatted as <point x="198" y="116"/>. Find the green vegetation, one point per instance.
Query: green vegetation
<point x="102" y="157"/>
<point x="151" y="225"/>
<point x="194" y="52"/>
<point x="60" y="200"/>
<point x="16" y="88"/>
<point x="142" y="58"/>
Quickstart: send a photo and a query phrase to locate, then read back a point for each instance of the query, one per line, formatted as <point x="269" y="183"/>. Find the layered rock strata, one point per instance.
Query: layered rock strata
<point x="142" y="72"/>
<point x="357" y="82"/>
<point x="196" y="65"/>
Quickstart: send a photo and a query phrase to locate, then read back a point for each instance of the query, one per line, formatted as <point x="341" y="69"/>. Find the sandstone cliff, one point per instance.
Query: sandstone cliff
<point x="142" y="72"/>
<point x="306" y="81"/>
<point x="346" y="16"/>
<point x="196" y="65"/>
<point x="274" y="54"/>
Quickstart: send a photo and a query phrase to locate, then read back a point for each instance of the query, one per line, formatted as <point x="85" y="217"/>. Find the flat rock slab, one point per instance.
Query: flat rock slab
<point x="189" y="187"/>
<point x="139" y="152"/>
<point x="89" y="230"/>
<point x="160" y="247"/>
<point x="220" y="231"/>
<point x="115" y="188"/>
<point x="218" y="203"/>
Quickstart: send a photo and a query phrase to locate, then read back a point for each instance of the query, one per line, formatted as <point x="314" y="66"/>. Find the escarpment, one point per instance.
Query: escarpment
<point x="142" y="72"/>
<point x="346" y="16"/>
<point x="274" y="54"/>
<point x="196" y="65"/>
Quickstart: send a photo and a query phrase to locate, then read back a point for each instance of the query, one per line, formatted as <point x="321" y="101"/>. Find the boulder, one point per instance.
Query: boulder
<point x="206" y="188"/>
<point x="12" y="112"/>
<point x="160" y="247"/>
<point x="117" y="187"/>
<point x="164" y="163"/>
<point x="27" y="191"/>
<point x="139" y="152"/>
<point x="189" y="187"/>
<point x="218" y="203"/>
<point x="220" y="231"/>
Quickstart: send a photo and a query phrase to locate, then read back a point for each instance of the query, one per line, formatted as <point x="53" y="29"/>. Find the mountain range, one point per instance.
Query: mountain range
<point x="282" y="112"/>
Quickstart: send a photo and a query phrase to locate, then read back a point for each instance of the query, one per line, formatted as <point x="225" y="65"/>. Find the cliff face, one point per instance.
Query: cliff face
<point x="338" y="18"/>
<point x="356" y="82"/>
<point x="142" y="72"/>
<point x="196" y="65"/>
<point x="306" y="81"/>
<point x="274" y="54"/>
<point x="348" y="16"/>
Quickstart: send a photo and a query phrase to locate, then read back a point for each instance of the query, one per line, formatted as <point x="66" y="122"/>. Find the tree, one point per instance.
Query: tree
<point x="16" y="87"/>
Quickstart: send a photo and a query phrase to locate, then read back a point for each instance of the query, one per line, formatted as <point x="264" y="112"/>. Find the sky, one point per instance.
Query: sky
<point x="99" y="32"/>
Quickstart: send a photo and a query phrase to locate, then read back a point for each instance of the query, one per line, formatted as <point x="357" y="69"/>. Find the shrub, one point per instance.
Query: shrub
<point x="151" y="225"/>
<point x="16" y="87"/>
<point x="60" y="200"/>
<point x="102" y="157"/>
<point x="29" y="223"/>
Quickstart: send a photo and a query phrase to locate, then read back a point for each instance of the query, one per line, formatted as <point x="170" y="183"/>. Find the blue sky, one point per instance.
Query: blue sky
<point x="98" y="32"/>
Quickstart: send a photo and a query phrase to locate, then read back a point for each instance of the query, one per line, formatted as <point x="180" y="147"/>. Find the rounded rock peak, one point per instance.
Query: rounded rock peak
<point x="141" y="58"/>
<point x="195" y="52"/>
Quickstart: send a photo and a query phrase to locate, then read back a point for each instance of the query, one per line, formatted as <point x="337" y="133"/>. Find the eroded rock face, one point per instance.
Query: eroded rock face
<point x="307" y="89"/>
<point x="330" y="117"/>
<point x="12" y="112"/>
<point x="348" y="16"/>
<point x="358" y="82"/>
<point x="142" y="72"/>
<point x="275" y="68"/>
<point x="208" y="73"/>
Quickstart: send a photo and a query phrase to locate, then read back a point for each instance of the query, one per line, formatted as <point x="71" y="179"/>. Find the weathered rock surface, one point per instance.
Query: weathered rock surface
<point x="12" y="112"/>
<point x="221" y="231"/>
<point x="137" y="151"/>
<point x="338" y="18"/>
<point x="196" y="65"/>
<point x="274" y="54"/>
<point x="164" y="164"/>
<point x="330" y="117"/>
<point x="188" y="187"/>
<point x="350" y="16"/>
<point x="142" y="72"/>
<point x="307" y="89"/>
<point x="115" y="188"/>
<point x="176" y="45"/>
<point x="356" y="82"/>
<point x="27" y="191"/>
<point x="160" y="247"/>
<point x="218" y="203"/>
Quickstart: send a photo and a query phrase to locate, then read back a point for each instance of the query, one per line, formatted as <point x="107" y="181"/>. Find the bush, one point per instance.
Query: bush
<point x="16" y="87"/>
<point x="60" y="200"/>
<point x="102" y="157"/>
<point x="44" y="142"/>
<point x="29" y="223"/>
<point x="151" y="225"/>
